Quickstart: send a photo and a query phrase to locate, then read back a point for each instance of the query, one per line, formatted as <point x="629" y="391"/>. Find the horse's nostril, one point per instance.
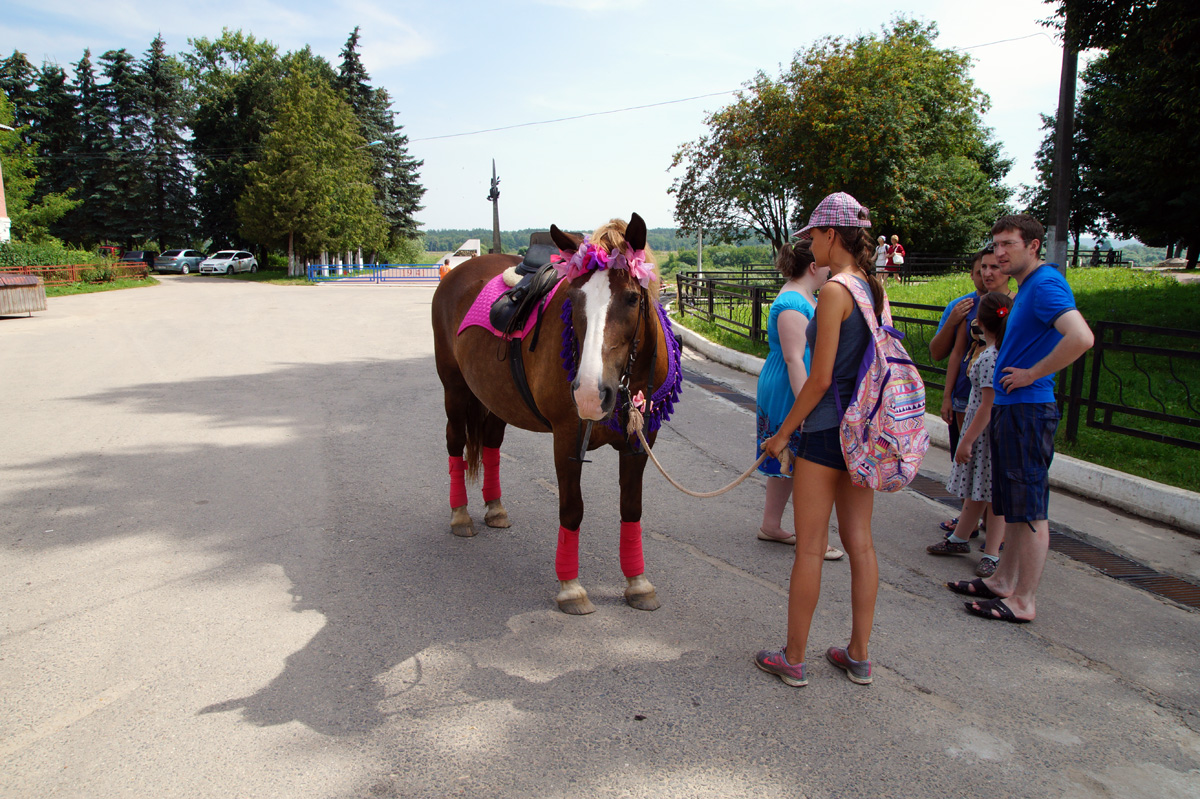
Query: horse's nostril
<point x="606" y="399"/>
<point x="574" y="385"/>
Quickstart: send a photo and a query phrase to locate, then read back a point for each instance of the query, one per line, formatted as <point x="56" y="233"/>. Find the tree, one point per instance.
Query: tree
<point x="310" y="190"/>
<point x="891" y="119"/>
<point x="1140" y="115"/>
<point x="235" y="77"/>
<point x="89" y="155"/>
<point x="394" y="172"/>
<point x="17" y="77"/>
<point x="55" y="130"/>
<point x="124" y="192"/>
<point x="166" y="109"/>
<point x="31" y="217"/>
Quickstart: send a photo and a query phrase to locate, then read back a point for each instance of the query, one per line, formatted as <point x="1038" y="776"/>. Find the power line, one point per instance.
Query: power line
<point x="579" y="116"/>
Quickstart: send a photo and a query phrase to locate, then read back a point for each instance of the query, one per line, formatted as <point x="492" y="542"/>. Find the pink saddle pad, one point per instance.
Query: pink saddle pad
<point x="480" y="310"/>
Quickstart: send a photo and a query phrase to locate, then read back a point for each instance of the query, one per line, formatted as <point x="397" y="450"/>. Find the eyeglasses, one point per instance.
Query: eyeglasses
<point x="1008" y="244"/>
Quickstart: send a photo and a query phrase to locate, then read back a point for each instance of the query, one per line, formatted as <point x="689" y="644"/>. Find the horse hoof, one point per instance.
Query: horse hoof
<point x="460" y="522"/>
<point x="641" y="595"/>
<point x="496" y="515"/>
<point x="573" y="600"/>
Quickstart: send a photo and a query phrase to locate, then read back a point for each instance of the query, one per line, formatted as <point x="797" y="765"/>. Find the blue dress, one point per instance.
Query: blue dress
<point x="775" y="396"/>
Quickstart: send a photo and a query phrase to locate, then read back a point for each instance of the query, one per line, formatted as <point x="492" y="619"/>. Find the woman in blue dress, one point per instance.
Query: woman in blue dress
<point x="783" y="373"/>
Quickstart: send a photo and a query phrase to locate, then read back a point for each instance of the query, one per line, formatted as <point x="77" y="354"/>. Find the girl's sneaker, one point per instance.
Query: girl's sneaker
<point x="774" y="662"/>
<point x="859" y="671"/>
<point x="986" y="567"/>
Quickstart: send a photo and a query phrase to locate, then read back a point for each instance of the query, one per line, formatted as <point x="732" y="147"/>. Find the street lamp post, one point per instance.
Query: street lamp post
<point x="5" y="222"/>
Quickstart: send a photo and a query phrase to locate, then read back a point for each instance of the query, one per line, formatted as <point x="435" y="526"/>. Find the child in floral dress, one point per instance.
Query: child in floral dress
<point x="971" y="475"/>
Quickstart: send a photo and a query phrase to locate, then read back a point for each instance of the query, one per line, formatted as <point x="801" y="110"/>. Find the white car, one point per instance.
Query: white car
<point x="226" y="262"/>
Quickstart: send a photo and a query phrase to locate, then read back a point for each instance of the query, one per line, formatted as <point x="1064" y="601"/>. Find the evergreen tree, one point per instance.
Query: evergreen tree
<point x="394" y="173"/>
<point x="17" y="76"/>
<point x="31" y="216"/>
<point x="309" y="190"/>
<point x="90" y="159"/>
<point x="126" y="192"/>
<point x="55" y="130"/>
<point x="166" y="109"/>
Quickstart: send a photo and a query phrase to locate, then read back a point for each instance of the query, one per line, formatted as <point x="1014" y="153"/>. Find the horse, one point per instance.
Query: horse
<point x="616" y="349"/>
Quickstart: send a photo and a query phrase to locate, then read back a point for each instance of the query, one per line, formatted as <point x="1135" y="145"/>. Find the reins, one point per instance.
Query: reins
<point x="785" y="462"/>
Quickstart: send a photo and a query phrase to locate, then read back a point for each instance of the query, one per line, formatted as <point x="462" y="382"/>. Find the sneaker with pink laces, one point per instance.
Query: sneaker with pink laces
<point x="774" y="662"/>
<point x="859" y="671"/>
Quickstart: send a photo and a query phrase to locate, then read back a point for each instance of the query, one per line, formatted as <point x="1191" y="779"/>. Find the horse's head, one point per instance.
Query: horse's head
<point x="609" y="278"/>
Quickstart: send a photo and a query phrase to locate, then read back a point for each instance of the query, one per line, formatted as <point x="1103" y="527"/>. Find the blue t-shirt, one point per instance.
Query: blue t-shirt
<point x="1030" y="336"/>
<point x="962" y="386"/>
<point x="950" y="307"/>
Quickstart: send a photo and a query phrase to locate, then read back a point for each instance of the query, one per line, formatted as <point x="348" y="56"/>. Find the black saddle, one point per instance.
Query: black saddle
<point x="511" y="310"/>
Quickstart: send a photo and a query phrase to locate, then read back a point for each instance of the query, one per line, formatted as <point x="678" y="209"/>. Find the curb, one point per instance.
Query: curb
<point x="1150" y="500"/>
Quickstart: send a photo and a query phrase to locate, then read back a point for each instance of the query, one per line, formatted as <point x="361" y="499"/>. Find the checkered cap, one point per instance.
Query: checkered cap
<point x="836" y="210"/>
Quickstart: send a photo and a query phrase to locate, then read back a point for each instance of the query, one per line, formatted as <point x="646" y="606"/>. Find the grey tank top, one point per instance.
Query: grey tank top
<point x="852" y="345"/>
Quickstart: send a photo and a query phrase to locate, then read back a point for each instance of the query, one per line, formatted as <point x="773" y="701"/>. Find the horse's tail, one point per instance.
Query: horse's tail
<point x="476" y="416"/>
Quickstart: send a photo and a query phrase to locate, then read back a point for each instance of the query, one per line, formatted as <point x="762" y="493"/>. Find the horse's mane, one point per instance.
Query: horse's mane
<point x="611" y="236"/>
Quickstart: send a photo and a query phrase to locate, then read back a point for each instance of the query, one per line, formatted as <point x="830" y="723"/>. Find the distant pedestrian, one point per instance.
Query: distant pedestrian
<point x="783" y="375"/>
<point x="971" y="475"/>
<point x="1044" y="334"/>
<point x="839" y="335"/>
<point x="895" y="257"/>
<point x="881" y="254"/>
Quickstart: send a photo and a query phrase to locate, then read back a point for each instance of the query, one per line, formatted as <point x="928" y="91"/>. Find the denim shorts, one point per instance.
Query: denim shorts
<point x="823" y="447"/>
<point x="1022" y="442"/>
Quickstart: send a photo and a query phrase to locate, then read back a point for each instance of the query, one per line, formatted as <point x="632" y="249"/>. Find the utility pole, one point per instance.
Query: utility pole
<point x="494" y="198"/>
<point x="1060" y="188"/>
<point x="5" y="222"/>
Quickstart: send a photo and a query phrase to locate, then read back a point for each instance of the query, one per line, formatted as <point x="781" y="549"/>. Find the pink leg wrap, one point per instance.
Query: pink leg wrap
<point x="458" y="482"/>
<point x="566" y="559"/>
<point x="491" y="474"/>
<point x="631" y="549"/>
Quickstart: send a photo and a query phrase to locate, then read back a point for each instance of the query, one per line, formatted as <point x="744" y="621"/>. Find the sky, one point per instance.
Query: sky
<point x="510" y="67"/>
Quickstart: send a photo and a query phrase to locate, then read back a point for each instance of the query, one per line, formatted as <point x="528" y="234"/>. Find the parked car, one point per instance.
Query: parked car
<point x="226" y="262"/>
<point x="181" y="261"/>
<point x="134" y="256"/>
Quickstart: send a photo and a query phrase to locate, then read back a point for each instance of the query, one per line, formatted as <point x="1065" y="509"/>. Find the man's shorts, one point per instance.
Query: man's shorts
<point x="823" y="447"/>
<point x="1022" y="439"/>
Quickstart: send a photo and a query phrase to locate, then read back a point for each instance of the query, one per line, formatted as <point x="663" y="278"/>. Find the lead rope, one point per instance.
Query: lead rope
<point x="635" y="422"/>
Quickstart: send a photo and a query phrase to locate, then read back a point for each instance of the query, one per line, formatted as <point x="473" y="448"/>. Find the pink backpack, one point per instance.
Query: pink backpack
<point x="883" y="430"/>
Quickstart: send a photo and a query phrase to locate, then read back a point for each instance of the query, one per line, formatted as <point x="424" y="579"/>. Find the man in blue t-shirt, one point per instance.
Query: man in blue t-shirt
<point x="1043" y="334"/>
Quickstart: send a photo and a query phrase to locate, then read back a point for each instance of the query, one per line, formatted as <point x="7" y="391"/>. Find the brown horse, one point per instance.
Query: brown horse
<point x="613" y="335"/>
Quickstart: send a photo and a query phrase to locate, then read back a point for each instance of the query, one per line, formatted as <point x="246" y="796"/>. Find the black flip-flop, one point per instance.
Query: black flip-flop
<point x="984" y="611"/>
<point x="975" y="588"/>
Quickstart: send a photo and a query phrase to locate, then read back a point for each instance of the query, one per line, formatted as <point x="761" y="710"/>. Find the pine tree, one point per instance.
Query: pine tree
<point x="90" y="159"/>
<point x="126" y="192"/>
<point x="165" y="110"/>
<point x="17" y="76"/>
<point x="394" y="173"/>
<point x="55" y="130"/>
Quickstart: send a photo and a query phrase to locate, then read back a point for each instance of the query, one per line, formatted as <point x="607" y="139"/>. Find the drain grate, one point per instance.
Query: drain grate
<point x="1115" y="566"/>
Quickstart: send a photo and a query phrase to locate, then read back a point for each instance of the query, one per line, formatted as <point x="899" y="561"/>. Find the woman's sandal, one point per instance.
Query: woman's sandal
<point x="975" y="588"/>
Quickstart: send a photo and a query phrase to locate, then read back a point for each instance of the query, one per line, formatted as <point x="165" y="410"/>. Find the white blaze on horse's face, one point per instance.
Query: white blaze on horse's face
<point x="592" y="399"/>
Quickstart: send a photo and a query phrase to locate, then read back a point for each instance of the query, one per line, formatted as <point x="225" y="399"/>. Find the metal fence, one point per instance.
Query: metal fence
<point x="1137" y="380"/>
<point x="65" y="274"/>
<point x="388" y="274"/>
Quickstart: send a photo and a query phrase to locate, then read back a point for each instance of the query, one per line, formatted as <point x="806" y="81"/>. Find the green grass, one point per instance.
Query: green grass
<point x="92" y="288"/>
<point x="1150" y="382"/>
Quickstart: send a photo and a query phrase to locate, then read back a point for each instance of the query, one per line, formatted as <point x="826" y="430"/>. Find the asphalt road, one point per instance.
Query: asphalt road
<point x="226" y="570"/>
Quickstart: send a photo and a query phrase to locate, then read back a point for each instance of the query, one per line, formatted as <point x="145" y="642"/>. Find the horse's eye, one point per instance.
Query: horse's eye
<point x="632" y="298"/>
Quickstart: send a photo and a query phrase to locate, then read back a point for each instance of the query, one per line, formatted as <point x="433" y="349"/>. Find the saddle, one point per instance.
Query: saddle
<point x="536" y="277"/>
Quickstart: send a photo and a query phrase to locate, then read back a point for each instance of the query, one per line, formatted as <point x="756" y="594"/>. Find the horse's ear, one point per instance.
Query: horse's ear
<point x="635" y="232"/>
<point x="565" y="241"/>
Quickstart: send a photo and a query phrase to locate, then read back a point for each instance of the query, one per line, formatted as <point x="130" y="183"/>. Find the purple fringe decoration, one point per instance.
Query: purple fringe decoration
<point x="663" y="398"/>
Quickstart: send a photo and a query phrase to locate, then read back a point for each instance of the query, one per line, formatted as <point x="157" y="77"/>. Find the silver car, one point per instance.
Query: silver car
<point x="181" y="261"/>
<point x="227" y="262"/>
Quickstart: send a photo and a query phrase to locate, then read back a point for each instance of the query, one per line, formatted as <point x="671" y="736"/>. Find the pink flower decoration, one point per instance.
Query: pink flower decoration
<point x="589" y="257"/>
